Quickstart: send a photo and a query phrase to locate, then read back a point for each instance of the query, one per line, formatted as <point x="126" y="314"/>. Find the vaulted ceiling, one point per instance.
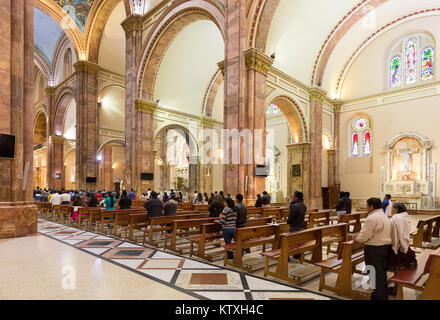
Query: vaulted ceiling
<point x="46" y="34"/>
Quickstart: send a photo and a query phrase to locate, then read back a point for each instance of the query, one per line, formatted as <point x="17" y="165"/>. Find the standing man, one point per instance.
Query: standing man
<point x="387" y="205"/>
<point x="131" y="195"/>
<point x="376" y="235"/>
<point x="297" y="213"/>
<point x="241" y="210"/>
<point x="341" y="205"/>
<point x="266" y="198"/>
<point x="348" y="208"/>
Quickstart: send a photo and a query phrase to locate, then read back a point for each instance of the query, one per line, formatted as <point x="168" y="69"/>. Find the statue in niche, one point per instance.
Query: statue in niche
<point x="406" y="160"/>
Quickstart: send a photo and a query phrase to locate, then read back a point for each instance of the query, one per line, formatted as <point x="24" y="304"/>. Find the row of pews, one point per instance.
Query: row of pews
<point x="325" y="245"/>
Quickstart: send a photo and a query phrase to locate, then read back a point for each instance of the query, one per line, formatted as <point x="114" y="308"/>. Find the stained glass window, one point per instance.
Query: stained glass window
<point x="272" y="109"/>
<point x="428" y="63"/>
<point x="361" y="143"/>
<point x="355" y="144"/>
<point x="411" y="61"/>
<point x="367" y="143"/>
<point x="395" y="71"/>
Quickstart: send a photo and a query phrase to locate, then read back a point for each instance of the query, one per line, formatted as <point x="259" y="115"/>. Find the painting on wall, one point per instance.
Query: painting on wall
<point x="406" y="160"/>
<point x="77" y="9"/>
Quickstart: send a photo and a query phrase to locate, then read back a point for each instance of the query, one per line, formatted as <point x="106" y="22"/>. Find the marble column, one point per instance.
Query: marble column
<point x="333" y="189"/>
<point x="144" y="146"/>
<point x="336" y="136"/>
<point x="108" y="170"/>
<point x="132" y="26"/>
<point x="317" y="96"/>
<point x="299" y="170"/>
<point x="50" y="94"/>
<point x="245" y="73"/>
<point x="18" y="214"/>
<point x="87" y="135"/>
<point x="56" y="160"/>
<point x="206" y="157"/>
<point x="193" y="174"/>
<point x="164" y="168"/>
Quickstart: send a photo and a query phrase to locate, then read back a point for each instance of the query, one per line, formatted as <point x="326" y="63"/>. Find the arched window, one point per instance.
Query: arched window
<point x="411" y="60"/>
<point x="361" y="143"/>
<point x="67" y="71"/>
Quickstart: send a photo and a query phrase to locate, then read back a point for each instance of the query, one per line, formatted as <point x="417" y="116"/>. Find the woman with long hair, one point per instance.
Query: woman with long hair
<point x="228" y="220"/>
<point x="110" y="201"/>
<point x="216" y="207"/>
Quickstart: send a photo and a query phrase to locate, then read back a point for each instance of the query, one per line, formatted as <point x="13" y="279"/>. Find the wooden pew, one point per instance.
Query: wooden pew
<point x="320" y="218"/>
<point x="273" y="212"/>
<point x="164" y="223"/>
<point x="210" y="233"/>
<point x="113" y="218"/>
<point x="298" y="243"/>
<point x="426" y="229"/>
<point x="428" y="262"/>
<point x="94" y="218"/>
<point x="56" y="213"/>
<point x="136" y="221"/>
<point x="186" y="225"/>
<point x="201" y="207"/>
<point x="246" y="238"/>
<point x="354" y="223"/>
<point x="344" y="264"/>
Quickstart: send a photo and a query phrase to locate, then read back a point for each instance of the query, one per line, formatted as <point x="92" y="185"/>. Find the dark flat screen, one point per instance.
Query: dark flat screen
<point x="7" y="146"/>
<point x="147" y="176"/>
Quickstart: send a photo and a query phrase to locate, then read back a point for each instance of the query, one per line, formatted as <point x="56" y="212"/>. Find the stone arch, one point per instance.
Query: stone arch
<point x="43" y="65"/>
<point x="110" y="141"/>
<point x="40" y="125"/>
<point x="211" y="93"/>
<point x="61" y="45"/>
<point x="96" y="24"/>
<point x="173" y="20"/>
<point x="61" y="105"/>
<point x="294" y="115"/>
<point x="260" y="23"/>
<point x="189" y="137"/>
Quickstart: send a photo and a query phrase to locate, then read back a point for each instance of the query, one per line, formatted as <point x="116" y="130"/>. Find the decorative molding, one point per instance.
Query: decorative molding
<point x="146" y="106"/>
<point x="207" y="122"/>
<point x="132" y="23"/>
<point x="221" y="66"/>
<point x="50" y="91"/>
<point x="317" y="94"/>
<point x="86" y="66"/>
<point x="425" y="143"/>
<point x="258" y="61"/>
<point x="295" y="147"/>
<point x="337" y="105"/>
<point x="57" y="139"/>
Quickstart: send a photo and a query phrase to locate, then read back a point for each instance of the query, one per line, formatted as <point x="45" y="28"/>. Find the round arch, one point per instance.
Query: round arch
<point x="190" y="139"/>
<point x="61" y="105"/>
<point x="173" y="20"/>
<point x="293" y="113"/>
<point x="110" y="141"/>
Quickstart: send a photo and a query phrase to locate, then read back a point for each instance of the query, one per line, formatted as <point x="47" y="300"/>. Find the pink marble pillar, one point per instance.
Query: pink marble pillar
<point x="337" y="111"/>
<point x="56" y="160"/>
<point x="245" y="92"/>
<point x="50" y="94"/>
<point x="144" y="158"/>
<point x="18" y="216"/>
<point x="108" y="170"/>
<point x="132" y="26"/>
<point x="317" y="96"/>
<point x="299" y="170"/>
<point x="87" y="136"/>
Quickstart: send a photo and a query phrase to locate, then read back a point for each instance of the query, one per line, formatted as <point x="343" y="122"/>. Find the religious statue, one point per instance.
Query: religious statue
<point x="405" y="164"/>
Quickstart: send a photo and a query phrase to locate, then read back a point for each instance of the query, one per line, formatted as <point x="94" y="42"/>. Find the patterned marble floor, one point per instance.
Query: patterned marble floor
<point x="194" y="278"/>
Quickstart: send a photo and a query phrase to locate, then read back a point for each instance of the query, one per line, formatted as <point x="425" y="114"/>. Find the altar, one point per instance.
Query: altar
<point x="408" y="174"/>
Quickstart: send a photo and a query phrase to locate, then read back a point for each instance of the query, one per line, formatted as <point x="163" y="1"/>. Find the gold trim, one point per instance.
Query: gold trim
<point x="58" y="139"/>
<point x="258" y="61"/>
<point x="337" y="105"/>
<point x="86" y="66"/>
<point x="221" y="66"/>
<point x="304" y="146"/>
<point x="133" y="22"/>
<point x="206" y="122"/>
<point x="50" y="91"/>
<point x="317" y="94"/>
<point x="146" y="106"/>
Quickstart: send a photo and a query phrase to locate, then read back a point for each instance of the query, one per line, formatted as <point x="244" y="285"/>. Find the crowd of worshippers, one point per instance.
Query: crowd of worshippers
<point x="385" y="232"/>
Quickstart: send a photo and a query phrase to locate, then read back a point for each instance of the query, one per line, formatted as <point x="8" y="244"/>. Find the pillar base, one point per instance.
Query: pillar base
<point x="17" y="219"/>
<point x="316" y="203"/>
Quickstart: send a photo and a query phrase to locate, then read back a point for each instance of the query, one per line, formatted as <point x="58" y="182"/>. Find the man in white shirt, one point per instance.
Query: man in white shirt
<point x="65" y="198"/>
<point x="376" y="235"/>
<point x="194" y="197"/>
<point x="56" y="199"/>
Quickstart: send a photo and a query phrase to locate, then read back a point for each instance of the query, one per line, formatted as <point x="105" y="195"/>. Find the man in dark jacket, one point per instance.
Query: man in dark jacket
<point x="124" y="202"/>
<point x="347" y="196"/>
<point x="170" y="207"/>
<point x="341" y="205"/>
<point x="153" y="206"/>
<point x="266" y="198"/>
<point x="297" y="213"/>
<point x="241" y="210"/>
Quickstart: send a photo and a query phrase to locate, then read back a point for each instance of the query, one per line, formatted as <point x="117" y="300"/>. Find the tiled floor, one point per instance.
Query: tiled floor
<point x="106" y="268"/>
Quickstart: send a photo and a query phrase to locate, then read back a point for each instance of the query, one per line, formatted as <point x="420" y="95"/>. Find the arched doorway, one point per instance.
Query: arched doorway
<point x="40" y="151"/>
<point x="175" y="163"/>
<point x="111" y="158"/>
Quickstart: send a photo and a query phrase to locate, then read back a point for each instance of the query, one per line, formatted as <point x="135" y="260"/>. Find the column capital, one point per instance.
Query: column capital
<point x="317" y="94"/>
<point x="146" y="106"/>
<point x="331" y="151"/>
<point x="50" y="91"/>
<point x="258" y="61"/>
<point x="337" y="105"/>
<point x="303" y="146"/>
<point x="86" y="66"/>
<point x="57" y="139"/>
<point x="221" y="66"/>
<point x="133" y="22"/>
<point x="206" y="122"/>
